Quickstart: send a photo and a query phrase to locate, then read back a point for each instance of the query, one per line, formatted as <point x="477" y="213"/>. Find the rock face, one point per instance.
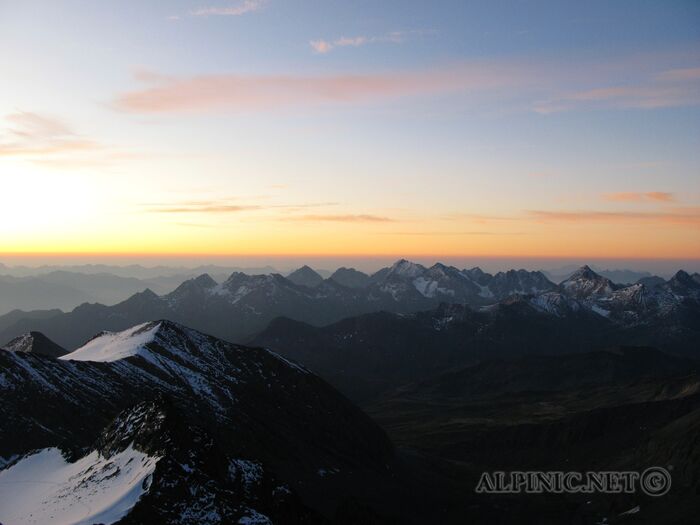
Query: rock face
<point x="225" y="430"/>
<point x="36" y="343"/>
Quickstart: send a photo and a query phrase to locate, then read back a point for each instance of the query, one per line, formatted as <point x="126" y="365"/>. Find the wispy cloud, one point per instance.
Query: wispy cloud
<point x="228" y="206"/>
<point x="342" y="218"/>
<point x="210" y="208"/>
<point x="51" y="142"/>
<point x="41" y="137"/>
<point x="674" y="216"/>
<point x="653" y="196"/>
<point x="323" y="46"/>
<point x="283" y="212"/>
<point x="479" y="218"/>
<point x="450" y="233"/>
<point x="688" y="215"/>
<point x="670" y="88"/>
<point x="673" y="75"/>
<point x="529" y="85"/>
<point x="248" y="6"/>
<point x="267" y="92"/>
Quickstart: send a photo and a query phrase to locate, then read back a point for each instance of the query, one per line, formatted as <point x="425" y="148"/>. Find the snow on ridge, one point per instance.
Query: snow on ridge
<point x="45" y="488"/>
<point x="113" y="346"/>
<point x="292" y="364"/>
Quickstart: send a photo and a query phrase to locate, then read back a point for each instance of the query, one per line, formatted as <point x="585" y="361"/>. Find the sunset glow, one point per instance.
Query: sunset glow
<point x="266" y="128"/>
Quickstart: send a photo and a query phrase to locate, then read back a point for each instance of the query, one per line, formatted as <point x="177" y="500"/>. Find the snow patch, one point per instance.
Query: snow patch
<point x="253" y="517"/>
<point x="45" y="488"/>
<point x="113" y="346"/>
<point x="600" y="311"/>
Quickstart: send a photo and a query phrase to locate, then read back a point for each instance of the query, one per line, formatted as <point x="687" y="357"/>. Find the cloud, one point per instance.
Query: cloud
<point x="670" y="88"/>
<point x="210" y="208"/>
<point x="219" y="207"/>
<point x="479" y="218"/>
<point x="690" y="73"/>
<point x="248" y="6"/>
<point x="266" y="92"/>
<point x="43" y="139"/>
<point x="342" y="218"/>
<point x="33" y="126"/>
<point x="544" y="87"/>
<point x="657" y="196"/>
<point x="449" y="234"/>
<point x="285" y="212"/>
<point x="395" y="37"/>
<point x="673" y="216"/>
<point x="51" y="142"/>
<point x="321" y="46"/>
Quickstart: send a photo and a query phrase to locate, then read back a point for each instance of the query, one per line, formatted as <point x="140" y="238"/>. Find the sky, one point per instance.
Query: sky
<point x="305" y="129"/>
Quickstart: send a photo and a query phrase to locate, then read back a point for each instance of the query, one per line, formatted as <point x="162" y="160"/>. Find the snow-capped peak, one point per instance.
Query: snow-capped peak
<point x="112" y="346"/>
<point x="406" y="268"/>
<point x="584" y="272"/>
<point x="584" y="283"/>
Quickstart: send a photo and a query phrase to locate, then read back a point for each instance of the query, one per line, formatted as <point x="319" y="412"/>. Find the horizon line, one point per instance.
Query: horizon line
<point x="397" y="256"/>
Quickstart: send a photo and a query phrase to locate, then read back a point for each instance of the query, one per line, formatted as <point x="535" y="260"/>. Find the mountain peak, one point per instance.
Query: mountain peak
<point x="113" y="346"/>
<point x="305" y="276"/>
<point x="584" y="283"/>
<point x="205" y="281"/>
<point x="405" y="268"/>
<point x="584" y="271"/>
<point x="35" y="343"/>
<point x="683" y="277"/>
<point x="683" y="282"/>
<point x="197" y="285"/>
<point x="350" y="277"/>
<point x="146" y="295"/>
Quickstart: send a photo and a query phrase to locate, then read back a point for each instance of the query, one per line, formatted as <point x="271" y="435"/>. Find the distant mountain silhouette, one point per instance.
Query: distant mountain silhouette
<point x="350" y="278"/>
<point x="243" y="304"/>
<point x="305" y="276"/>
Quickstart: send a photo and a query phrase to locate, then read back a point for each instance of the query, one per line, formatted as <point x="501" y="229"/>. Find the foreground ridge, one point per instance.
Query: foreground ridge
<point x="274" y="425"/>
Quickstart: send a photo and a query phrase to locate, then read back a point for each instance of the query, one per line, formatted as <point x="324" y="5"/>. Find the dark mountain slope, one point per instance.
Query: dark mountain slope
<point x="627" y="410"/>
<point x="10" y="319"/>
<point x="228" y="428"/>
<point x="305" y="276"/>
<point x="369" y="354"/>
<point x="36" y="343"/>
<point x="350" y="278"/>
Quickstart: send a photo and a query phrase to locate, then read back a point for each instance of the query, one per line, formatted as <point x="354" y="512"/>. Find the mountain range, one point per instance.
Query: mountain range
<point x="456" y="372"/>
<point x="243" y="305"/>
